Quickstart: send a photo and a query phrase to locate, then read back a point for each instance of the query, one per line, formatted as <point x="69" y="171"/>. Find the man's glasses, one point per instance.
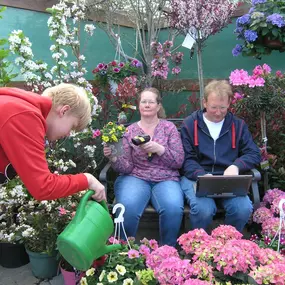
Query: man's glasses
<point x="144" y="102"/>
<point x="8" y="174"/>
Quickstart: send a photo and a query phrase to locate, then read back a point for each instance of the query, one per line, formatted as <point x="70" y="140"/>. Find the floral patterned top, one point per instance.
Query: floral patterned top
<point x="134" y="160"/>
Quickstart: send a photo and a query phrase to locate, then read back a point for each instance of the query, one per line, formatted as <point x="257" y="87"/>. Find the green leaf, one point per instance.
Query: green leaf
<point x="3" y="42"/>
<point x="265" y="31"/>
<point x="4" y="53"/>
<point x="275" y="32"/>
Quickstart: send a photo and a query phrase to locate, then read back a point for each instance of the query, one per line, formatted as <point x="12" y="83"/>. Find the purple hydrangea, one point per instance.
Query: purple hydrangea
<point x="250" y="35"/>
<point x="237" y="50"/>
<point x="251" y="10"/>
<point x="243" y="19"/>
<point x="276" y="19"/>
<point x="255" y="2"/>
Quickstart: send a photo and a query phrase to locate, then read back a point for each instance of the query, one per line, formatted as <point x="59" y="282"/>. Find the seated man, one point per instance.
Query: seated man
<point x="216" y="143"/>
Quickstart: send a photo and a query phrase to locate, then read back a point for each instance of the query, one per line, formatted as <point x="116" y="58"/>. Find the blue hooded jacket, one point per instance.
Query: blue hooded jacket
<point x="203" y="155"/>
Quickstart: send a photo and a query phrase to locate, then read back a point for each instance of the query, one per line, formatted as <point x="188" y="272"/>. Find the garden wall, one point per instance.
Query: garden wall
<point x="218" y="61"/>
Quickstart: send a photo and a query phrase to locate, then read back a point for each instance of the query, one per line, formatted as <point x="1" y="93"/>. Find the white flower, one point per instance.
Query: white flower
<point x="128" y="281"/>
<point x="112" y="277"/>
<point x="82" y="57"/>
<point x="102" y="275"/>
<point x="90" y="272"/>
<point x="121" y="269"/>
<point x="83" y="281"/>
<point x="72" y="163"/>
<point x="89" y="29"/>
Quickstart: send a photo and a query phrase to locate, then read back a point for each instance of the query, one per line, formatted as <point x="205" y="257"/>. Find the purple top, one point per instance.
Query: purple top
<point x="165" y="167"/>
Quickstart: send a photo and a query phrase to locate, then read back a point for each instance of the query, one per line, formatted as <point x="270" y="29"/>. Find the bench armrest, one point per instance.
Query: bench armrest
<point x="103" y="176"/>
<point x="256" y="176"/>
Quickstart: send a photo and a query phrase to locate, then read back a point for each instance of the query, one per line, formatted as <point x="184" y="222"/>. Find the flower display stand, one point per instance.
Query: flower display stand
<point x="13" y="255"/>
<point x="43" y="265"/>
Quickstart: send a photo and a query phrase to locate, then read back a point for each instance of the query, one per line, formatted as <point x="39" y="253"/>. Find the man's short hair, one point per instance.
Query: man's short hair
<point x="220" y="88"/>
<point x="73" y="96"/>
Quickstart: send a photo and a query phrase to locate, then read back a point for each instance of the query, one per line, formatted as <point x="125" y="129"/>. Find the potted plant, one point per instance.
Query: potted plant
<point x="123" y="267"/>
<point x="223" y="257"/>
<point x="260" y="94"/>
<point x="262" y="29"/>
<point x="267" y="216"/>
<point x="12" y="251"/>
<point x="40" y="224"/>
<point x="112" y="134"/>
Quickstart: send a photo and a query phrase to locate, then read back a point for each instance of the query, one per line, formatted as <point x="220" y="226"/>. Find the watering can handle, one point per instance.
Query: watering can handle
<point x="80" y="213"/>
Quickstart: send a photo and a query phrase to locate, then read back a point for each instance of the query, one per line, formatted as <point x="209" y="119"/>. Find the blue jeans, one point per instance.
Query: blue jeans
<point x="202" y="209"/>
<point x="166" y="197"/>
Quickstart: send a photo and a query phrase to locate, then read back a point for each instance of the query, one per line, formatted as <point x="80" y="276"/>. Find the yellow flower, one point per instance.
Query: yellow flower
<point x="128" y="281"/>
<point x="90" y="272"/>
<point x="121" y="269"/>
<point x="110" y="124"/>
<point x="102" y="275"/>
<point x="105" y="138"/>
<point x="83" y="281"/>
<point x="120" y="127"/>
<point x="112" y="277"/>
<point x="114" y="138"/>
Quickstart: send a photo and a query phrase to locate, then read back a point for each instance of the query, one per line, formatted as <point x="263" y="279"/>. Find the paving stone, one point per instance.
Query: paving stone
<point x="23" y="276"/>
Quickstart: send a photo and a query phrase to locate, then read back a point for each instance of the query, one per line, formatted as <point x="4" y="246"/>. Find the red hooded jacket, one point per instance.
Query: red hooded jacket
<point x="22" y="135"/>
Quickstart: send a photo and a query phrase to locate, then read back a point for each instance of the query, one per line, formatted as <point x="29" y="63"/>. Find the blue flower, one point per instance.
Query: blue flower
<point x="250" y="35"/>
<point x="276" y="19"/>
<point x="238" y="30"/>
<point x="243" y="19"/>
<point x="255" y="2"/>
<point x="237" y="50"/>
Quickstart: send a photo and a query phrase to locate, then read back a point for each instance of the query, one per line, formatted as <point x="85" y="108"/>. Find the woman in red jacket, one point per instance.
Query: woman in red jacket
<point x="26" y="119"/>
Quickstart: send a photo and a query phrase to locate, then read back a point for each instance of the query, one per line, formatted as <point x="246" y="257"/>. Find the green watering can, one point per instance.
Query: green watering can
<point x="84" y="239"/>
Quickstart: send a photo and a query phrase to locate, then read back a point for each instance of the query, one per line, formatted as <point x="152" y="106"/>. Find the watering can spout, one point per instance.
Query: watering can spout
<point x="112" y="247"/>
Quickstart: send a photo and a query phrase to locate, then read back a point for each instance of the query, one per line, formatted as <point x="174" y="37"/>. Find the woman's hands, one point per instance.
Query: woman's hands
<point x="108" y="153"/>
<point x="153" y="147"/>
<point x="95" y="185"/>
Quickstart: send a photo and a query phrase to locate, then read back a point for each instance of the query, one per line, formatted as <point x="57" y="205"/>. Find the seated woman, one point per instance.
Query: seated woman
<point x="156" y="180"/>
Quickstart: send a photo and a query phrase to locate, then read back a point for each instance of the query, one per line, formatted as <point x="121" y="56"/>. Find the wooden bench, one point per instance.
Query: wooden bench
<point x="253" y="193"/>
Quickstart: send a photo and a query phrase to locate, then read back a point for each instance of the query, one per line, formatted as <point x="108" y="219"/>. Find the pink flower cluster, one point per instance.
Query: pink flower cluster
<point x="224" y="250"/>
<point x="159" y="64"/>
<point x="177" y="59"/>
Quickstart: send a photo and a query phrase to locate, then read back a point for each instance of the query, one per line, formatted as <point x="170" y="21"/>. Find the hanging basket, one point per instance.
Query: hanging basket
<point x="274" y="44"/>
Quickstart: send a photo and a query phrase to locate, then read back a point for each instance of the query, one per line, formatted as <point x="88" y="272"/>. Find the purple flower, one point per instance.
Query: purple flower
<point x="250" y="35"/>
<point x="255" y="2"/>
<point x="237" y="50"/>
<point x="276" y="19"/>
<point x="116" y="70"/>
<point x="136" y="63"/>
<point x="251" y="10"/>
<point x="243" y="19"/>
<point x="100" y="66"/>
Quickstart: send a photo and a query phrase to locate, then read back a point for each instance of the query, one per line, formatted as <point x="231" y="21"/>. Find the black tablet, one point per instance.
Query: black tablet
<point x="223" y="186"/>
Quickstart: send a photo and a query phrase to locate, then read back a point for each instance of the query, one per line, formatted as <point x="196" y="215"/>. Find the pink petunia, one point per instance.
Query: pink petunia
<point x="96" y="133"/>
<point x="133" y="254"/>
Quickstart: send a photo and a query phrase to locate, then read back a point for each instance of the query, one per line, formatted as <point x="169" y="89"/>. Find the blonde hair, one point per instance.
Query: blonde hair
<point x="161" y="113"/>
<point x="73" y="96"/>
<point x="221" y="88"/>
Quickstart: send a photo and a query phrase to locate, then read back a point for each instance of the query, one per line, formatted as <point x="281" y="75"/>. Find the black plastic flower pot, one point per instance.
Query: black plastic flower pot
<point x="13" y="255"/>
